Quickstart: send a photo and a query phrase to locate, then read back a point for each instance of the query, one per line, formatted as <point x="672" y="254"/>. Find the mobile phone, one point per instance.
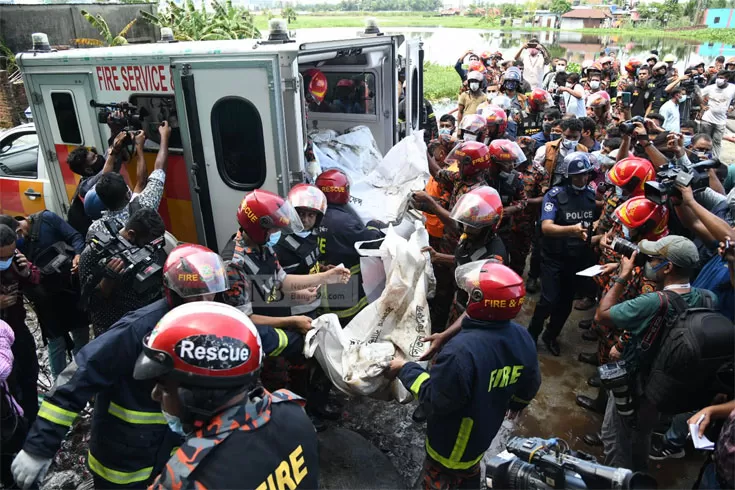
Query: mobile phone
<point x="626" y="98"/>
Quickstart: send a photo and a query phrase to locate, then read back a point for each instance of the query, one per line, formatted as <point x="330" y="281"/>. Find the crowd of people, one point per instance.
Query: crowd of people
<point x="195" y="368"/>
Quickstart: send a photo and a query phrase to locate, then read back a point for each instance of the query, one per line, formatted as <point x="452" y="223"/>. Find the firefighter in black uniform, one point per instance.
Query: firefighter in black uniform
<point x="129" y="442"/>
<point x="339" y="231"/>
<point x="205" y="359"/>
<point x="567" y="214"/>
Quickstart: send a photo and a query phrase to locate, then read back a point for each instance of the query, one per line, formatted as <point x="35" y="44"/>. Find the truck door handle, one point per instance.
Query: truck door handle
<point x="32" y="195"/>
<point x="194" y="180"/>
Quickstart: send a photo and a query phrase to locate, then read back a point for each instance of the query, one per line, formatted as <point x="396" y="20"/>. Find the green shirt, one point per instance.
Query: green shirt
<point x="635" y="315"/>
<point x="730" y="179"/>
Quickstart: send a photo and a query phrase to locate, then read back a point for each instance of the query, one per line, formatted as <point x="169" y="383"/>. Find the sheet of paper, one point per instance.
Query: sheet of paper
<point x="700" y="442"/>
<point x="591" y="271"/>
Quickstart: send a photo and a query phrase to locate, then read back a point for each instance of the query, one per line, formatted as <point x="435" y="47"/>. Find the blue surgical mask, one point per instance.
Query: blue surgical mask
<point x="5" y="264"/>
<point x="687" y="140"/>
<point x="445" y="131"/>
<point x="174" y="423"/>
<point x="569" y="144"/>
<point x="554" y="136"/>
<point x="626" y="232"/>
<point x="303" y="234"/>
<point x="651" y="272"/>
<point x="19" y="242"/>
<point x="273" y="239"/>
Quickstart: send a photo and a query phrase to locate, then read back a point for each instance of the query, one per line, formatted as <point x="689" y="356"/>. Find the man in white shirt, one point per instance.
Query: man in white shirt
<point x="534" y="57"/>
<point x="717" y="98"/>
<point x="670" y="111"/>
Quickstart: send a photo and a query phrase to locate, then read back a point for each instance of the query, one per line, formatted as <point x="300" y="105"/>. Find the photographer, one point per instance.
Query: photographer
<point x="55" y="248"/>
<point x="717" y="99"/>
<point x="670" y="264"/>
<point x="458" y="66"/>
<point x="534" y="57"/>
<point x="550" y="84"/>
<point x="110" y="295"/>
<point x="117" y="197"/>
<point x="573" y="96"/>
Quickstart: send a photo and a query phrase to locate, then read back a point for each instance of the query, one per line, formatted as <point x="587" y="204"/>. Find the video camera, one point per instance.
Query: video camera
<point x="664" y="187"/>
<point x="140" y="262"/>
<point x="122" y="115"/>
<point x="535" y="463"/>
<point x="628" y="127"/>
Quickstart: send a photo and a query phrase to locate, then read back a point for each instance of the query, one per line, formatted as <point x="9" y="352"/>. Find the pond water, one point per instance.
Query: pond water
<point x="444" y="45"/>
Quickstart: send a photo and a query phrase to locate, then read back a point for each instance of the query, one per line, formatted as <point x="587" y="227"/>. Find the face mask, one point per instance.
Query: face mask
<point x="570" y="85"/>
<point x="595" y="84"/>
<point x="721" y="82"/>
<point x="19" y="242"/>
<point x="555" y="136"/>
<point x="174" y="423"/>
<point x="687" y="140"/>
<point x="303" y="234"/>
<point x="579" y="188"/>
<point x="469" y="136"/>
<point x="626" y="230"/>
<point x="560" y="68"/>
<point x="651" y="272"/>
<point x="5" y="264"/>
<point x="273" y="239"/>
<point x="98" y="164"/>
<point x="569" y="144"/>
<point x="703" y="155"/>
<point x="546" y="127"/>
<point x="619" y="193"/>
<point x="475" y="87"/>
<point x="510" y="85"/>
<point x="445" y="131"/>
<point x="682" y="98"/>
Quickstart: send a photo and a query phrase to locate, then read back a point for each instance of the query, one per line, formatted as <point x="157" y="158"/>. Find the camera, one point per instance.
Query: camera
<point x="628" y="127"/>
<point x="667" y="179"/>
<point x="122" y="116"/>
<point x="140" y="262"/>
<point x="614" y="377"/>
<point x="535" y="463"/>
<point x="626" y="248"/>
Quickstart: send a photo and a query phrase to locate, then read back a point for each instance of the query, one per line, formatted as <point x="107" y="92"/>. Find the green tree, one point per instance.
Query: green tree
<point x="108" y="38"/>
<point x="192" y="24"/>
<point x="560" y="7"/>
<point x="7" y="59"/>
<point x="289" y="14"/>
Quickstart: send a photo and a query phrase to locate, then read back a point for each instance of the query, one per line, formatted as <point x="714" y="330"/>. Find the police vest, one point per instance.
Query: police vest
<point x="261" y="270"/>
<point x="265" y="445"/>
<point x="572" y="208"/>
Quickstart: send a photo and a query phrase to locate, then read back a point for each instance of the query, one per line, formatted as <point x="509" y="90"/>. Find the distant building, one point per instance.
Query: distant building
<point x="544" y="18"/>
<point x="584" y="18"/>
<point x="719" y="18"/>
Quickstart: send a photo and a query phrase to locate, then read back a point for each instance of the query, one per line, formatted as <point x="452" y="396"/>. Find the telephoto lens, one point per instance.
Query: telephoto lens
<point x="626" y="248"/>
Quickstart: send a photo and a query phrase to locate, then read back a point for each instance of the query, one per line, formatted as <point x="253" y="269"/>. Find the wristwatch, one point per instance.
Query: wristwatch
<point x="621" y="281"/>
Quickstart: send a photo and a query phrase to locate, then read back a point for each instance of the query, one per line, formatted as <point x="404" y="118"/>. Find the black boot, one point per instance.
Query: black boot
<point x="590" y="336"/>
<point x="419" y="415"/>
<point x="532" y="285"/>
<point x="552" y="345"/>
<point x="585" y="324"/>
<point x="588" y="358"/>
<point x="594" y="381"/>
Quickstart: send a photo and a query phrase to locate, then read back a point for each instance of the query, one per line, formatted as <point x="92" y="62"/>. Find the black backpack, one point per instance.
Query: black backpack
<point x="54" y="262"/>
<point x="695" y="359"/>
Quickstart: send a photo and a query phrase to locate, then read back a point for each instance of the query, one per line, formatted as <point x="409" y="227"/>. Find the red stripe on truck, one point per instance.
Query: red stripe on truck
<point x="62" y="153"/>
<point x="10" y="202"/>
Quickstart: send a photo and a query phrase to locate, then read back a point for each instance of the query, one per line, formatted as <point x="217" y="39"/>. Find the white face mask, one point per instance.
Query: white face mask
<point x="569" y="144"/>
<point x="474" y="86"/>
<point x="595" y="84"/>
<point x="682" y="98"/>
<point x="721" y="82"/>
<point x="560" y="68"/>
<point x="467" y="136"/>
<point x="570" y="85"/>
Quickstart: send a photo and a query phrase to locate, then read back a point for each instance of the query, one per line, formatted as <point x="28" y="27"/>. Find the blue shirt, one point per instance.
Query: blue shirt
<point x="53" y="229"/>
<point x="540" y="138"/>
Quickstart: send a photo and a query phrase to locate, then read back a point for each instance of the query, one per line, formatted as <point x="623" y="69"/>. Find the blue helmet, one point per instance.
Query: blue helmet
<point x="93" y="206"/>
<point x="512" y="74"/>
<point x="578" y="162"/>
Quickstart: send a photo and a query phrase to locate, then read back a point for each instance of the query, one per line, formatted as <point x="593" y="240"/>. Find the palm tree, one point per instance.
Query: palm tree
<point x="190" y="24"/>
<point x="108" y="39"/>
<point x="289" y="13"/>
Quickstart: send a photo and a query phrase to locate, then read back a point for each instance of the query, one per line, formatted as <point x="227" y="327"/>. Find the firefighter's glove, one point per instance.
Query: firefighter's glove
<point x="28" y="469"/>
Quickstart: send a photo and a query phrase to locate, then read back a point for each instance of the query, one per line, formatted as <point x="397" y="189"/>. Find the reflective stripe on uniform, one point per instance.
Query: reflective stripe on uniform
<point x="135" y="417"/>
<point x="355" y="269"/>
<point x="454" y="461"/>
<point x="282" y="343"/>
<point x="55" y="414"/>
<point x="417" y="384"/>
<point x="354" y="310"/>
<point x="519" y="400"/>
<point x="115" y="476"/>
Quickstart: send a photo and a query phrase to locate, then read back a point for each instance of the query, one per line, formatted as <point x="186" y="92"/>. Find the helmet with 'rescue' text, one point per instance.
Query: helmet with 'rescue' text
<point x="479" y="208"/>
<point x="496" y="292"/>
<point x="647" y="219"/>
<point x="261" y="211"/>
<point x="192" y="270"/>
<point x="202" y="344"/>
<point x="335" y="185"/>
<point x="631" y="174"/>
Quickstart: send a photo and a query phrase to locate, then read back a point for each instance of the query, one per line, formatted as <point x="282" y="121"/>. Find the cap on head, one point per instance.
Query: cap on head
<point x="678" y="250"/>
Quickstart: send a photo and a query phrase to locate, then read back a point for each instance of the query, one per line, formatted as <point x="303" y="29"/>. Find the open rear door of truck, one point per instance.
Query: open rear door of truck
<point x="232" y="129"/>
<point x="414" y="91"/>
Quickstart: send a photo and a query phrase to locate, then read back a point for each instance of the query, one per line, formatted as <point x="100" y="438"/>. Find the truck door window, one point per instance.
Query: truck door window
<point x="237" y="132"/>
<point x="66" y="117"/>
<point x="155" y="109"/>
<point x="19" y="155"/>
<point x="348" y="93"/>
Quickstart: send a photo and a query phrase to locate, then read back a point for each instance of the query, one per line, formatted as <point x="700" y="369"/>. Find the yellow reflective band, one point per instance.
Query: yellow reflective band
<point x="355" y="269"/>
<point x="282" y="343"/>
<point x="519" y="400"/>
<point x="451" y="462"/>
<point x="354" y="310"/>
<point x="173" y="451"/>
<point x="430" y="116"/>
<point x="118" y="477"/>
<point x="416" y="386"/>
<point x="135" y="417"/>
<point x="55" y="414"/>
<point x="463" y="438"/>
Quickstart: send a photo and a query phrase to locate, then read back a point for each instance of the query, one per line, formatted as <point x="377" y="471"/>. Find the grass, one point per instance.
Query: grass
<point x="440" y="82"/>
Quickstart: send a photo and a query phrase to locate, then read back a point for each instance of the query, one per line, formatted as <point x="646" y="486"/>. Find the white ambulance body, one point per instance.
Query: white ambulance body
<point x="238" y="110"/>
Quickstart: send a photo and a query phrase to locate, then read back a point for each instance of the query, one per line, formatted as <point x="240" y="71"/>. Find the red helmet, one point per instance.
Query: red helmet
<point x="308" y="196"/>
<point x="596" y="66"/>
<point x="632" y="66"/>
<point x="316" y="84"/>
<point x="479" y="208"/>
<point x="476" y="66"/>
<point x="335" y="185"/>
<point x="507" y="153"/>
<point x="472" y="157"/>
<point x="598" y="99"/>
<point x="473" y="124"/>
<point x="203" y="344"/>
<point x="647" y="218"/>
<point x="631" y="174"/>
<point x="539" y="100"/>
<point x="486" y="55"/>
<point x="346" y="82"/>
<point x="495" y="291"/>
<point x="605" y="60"/>
<point x="261" y="211"/>
<point x="495" y="117"/>
<point x="193" y="270"/>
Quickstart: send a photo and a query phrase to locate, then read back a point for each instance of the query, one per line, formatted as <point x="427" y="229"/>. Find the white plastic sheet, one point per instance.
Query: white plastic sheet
<point x="354" y="357"/>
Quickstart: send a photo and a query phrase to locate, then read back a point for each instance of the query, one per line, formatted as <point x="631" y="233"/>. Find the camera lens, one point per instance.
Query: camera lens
<point x="624" y="247"/>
